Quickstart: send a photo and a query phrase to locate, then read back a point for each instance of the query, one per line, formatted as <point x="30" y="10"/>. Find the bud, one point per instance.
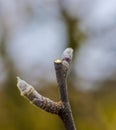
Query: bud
<point x="66" y="59"/>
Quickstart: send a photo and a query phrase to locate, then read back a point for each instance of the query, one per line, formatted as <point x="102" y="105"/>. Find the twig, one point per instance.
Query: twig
<point x="61" y="108"/>
<point x="40" y="101"/>
<point x="61" y="80"/>
<point x="61" y="68"/>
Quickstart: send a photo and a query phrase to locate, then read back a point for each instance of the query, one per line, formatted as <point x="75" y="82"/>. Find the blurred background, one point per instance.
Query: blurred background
<point x="33" y="33"/>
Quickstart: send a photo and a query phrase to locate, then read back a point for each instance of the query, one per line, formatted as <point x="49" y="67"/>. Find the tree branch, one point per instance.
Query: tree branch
<point x="60" y="75"/>
<point x="61" y="67"/>
<point x="61" y="108"/>
<point x="40" y="101"/>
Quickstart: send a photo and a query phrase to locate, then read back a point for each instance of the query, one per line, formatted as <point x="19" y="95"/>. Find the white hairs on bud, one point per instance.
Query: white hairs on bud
<point x="67" y="55"/>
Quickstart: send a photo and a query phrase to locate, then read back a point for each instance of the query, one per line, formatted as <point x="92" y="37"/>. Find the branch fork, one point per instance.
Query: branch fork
<point x="61" y="108"/>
